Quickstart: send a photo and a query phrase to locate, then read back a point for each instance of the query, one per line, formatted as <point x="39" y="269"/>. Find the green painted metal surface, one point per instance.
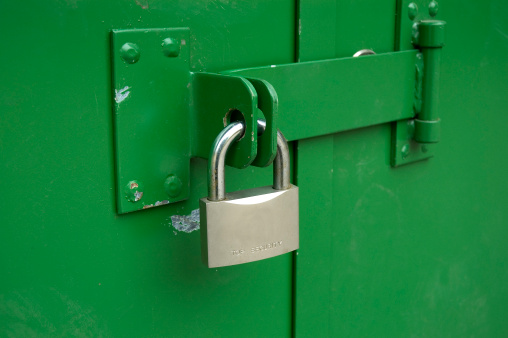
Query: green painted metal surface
<point x="417" y="250"/>
<point x="429" y="36"/>
<point x="405" y="149"/>
<point x="149" y="145"/>
<point x="363" y="91"/>
<point x="69" y="265"/>
<point x="215" y="99"/>
<point x="268" y="104"/>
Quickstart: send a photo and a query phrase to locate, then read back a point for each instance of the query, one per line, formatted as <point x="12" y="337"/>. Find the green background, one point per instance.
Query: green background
<point x="414" y="251"/>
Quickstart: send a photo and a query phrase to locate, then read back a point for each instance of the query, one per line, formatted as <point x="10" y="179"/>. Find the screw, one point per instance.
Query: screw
<point x="405" y="151"/>
<point x="171" y="47"/>
<point x="433" y="8"/>
<point x="412" y="11"/>
<point x="173" y="186"/>
<point x="130" y="52"/>
<point x="133" y="191"/>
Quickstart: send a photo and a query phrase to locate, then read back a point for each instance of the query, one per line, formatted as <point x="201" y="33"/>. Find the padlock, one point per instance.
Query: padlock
<point x="248" y="225"/>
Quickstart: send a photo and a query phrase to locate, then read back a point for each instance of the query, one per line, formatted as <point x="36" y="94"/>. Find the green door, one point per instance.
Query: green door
<point x="418" y="250"/>
<point x="414" y="250"/>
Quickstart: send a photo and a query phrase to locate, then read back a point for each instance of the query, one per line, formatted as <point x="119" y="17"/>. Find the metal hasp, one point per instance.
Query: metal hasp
<point x="429" y="38"/>
<point x="329" y="96"/>
<point x="164" y="114"/>
<point x="248" y="225"/>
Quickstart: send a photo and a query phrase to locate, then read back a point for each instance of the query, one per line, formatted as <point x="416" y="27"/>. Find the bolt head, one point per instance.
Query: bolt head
<point x="173" y="186"/>
<point x="412" y="11"/>
<point x="405" y="151"/>
<point x="171" y="47"/>
<point x="433" y="8"/>
<point x="133" y="191"/>
<point x="410" y="128"/>
<point x="130" y="52"/>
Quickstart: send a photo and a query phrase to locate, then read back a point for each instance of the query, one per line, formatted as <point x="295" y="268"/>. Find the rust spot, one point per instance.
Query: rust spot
<point x="134" y="185"/>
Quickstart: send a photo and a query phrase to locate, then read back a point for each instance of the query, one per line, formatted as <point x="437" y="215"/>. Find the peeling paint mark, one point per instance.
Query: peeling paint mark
<point x="187" y="223"/>
<point x="142" y="4"/>
<point x="122" y="94"/>
<point x="156" y="204"/>
<point x="183" y="43"/>
<point x="138" y="195"/>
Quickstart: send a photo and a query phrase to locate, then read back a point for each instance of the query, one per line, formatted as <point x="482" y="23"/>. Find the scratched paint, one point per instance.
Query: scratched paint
<point x="143" y="4"/>
<point x="156" y="204"/>
<point x="122" y="94"/>
<point x="186" y="223"/>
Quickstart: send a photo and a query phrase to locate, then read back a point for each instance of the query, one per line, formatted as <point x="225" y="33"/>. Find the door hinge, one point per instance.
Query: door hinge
<point x="413" y="140"/>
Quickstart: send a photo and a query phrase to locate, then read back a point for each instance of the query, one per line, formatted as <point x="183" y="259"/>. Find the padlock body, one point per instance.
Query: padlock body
<point x="249" y="225"/>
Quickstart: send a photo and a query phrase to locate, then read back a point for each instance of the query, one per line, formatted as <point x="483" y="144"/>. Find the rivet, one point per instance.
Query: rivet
<point x="410" y="127"/>
<point x="433" y="8"/>
<point x="171" y="47"/>
<point x="412" y="11"/>
<point x="130" y="52"/>
<point x="424" y="148"/>
<point x="405" y="150"/>
<point x="133" y="191"/>
<point x="173" y="186"/>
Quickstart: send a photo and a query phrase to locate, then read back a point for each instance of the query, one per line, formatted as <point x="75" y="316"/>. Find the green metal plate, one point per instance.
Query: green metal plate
<point x="268" y="103"/>
<point x="404" y="149"/>
<point x="411" y="12"/>
<point x="324" y="97"/>
<point x="217" y="99"/>
<point x="151" y="100"/>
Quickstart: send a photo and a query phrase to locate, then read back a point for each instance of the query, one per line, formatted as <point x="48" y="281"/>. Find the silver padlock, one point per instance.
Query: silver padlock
<point x="248" y="225"/>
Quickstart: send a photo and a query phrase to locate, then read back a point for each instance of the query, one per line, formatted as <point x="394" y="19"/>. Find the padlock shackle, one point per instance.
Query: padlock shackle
<point x="217" y="159"/>
<point x="281" y="172"/>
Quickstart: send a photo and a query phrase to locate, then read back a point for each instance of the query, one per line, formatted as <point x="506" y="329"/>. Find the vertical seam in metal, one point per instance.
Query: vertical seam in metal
<point x="398" y="22"/>
<point x="294" y="255"/>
